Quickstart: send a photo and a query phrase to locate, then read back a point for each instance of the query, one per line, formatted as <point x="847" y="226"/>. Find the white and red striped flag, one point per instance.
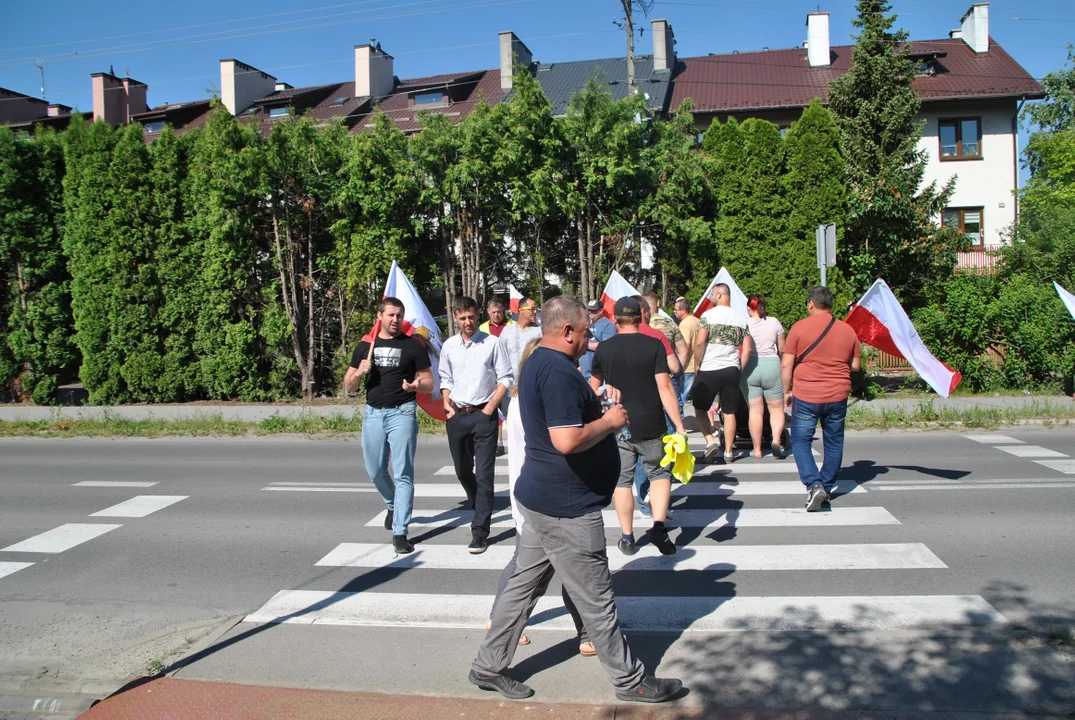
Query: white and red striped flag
<point x="418" y="322"/>
<point x="739" y="300"/>
<point x="615" y="288"/>
<point x="1066" y="297"/>
<point x="514" y="298"/>
<point x="879" y="321"/>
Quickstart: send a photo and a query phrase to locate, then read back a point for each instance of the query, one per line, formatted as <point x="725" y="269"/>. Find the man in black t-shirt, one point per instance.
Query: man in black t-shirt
<point x="396" y="369"/>
<point x="566" y="481"/>
<point x="636" y="365"/>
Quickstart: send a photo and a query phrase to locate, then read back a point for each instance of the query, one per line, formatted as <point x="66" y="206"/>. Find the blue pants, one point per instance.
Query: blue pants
<point x="804" y="418"/>
<point x="683" y="384"/>
<point x="392" y="430"/>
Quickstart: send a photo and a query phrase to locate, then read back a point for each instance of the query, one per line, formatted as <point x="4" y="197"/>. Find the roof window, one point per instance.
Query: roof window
<point x="153" y="128"/>
<point x="278" y="112"/>
<point x="429" y="98"/>
<point x="340" y="100"/>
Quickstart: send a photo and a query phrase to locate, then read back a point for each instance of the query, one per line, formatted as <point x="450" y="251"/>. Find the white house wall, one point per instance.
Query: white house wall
<point x="988" y="183"/>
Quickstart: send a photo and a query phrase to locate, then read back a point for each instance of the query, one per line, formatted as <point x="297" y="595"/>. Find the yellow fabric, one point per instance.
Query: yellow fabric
<point x="678" y="454"/>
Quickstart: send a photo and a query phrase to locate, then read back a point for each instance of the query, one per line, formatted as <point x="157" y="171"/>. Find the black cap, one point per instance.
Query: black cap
<point x="627" y="307"/>
<point x="594" y="306"/>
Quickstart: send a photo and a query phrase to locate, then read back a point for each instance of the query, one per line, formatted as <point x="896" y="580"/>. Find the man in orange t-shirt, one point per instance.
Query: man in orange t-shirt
<point x="820" y="354"/>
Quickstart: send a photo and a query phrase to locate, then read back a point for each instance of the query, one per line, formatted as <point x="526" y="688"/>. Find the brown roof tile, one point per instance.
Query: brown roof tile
<point x="783" y="78"/>
<point x="398" y="106"/>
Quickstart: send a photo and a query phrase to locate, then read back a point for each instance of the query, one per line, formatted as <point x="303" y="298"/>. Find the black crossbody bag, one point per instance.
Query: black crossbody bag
<point x="820" y="337"/>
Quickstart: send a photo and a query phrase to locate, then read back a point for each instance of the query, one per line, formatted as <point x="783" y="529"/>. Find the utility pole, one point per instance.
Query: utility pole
<point x="41" y="70"/>
<point x="629" y="27"/>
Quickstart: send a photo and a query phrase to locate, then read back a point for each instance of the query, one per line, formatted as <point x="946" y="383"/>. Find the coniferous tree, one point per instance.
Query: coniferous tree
<point x="226" y="166"/>
<point x="34" y="285"/>
<point x="814" y="183"/>
<point x="892" y="220"/>
<point x="88" y="154"/>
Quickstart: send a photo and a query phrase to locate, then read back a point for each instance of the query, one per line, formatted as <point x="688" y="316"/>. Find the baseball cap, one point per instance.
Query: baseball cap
<point x="594" y="305"/>
<point x="627" y="307"/>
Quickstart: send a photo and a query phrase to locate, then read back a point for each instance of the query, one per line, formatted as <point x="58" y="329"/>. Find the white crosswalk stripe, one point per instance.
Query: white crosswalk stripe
<point x="648" y="614"/>
<point x="992" y="438"/>
<point x="140" y="506"/>
<point x="866" y="556"/>
<point x="60" y="539"/>
<point x="1065" y="466"/>
<point x="114" y="484"/>
<point x="708" y="519"/>
<point x="7" y="568"/>
<point x="1030" y="451"/>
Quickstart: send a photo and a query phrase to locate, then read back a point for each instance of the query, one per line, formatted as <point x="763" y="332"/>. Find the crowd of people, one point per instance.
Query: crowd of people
<point x="587" y="401"/>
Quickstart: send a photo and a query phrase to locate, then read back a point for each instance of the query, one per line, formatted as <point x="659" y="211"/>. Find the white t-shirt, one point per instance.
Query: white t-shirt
<point x="516" y="446"/>
<point x="764" y="332"/>
<point x="726" y="328"/>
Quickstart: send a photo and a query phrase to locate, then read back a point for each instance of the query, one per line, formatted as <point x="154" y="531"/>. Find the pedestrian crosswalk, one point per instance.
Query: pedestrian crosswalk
<point x="854" y="538"/>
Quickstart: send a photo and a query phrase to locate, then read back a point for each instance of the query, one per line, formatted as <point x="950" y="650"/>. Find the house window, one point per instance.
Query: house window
<point x="278" y="112"/>
<point x="961" y="139"/>
<point x="340" y="100"/>
<point x="430" y="98"/>
<point x="153" y="128"/>
<point x="967" y="221"/>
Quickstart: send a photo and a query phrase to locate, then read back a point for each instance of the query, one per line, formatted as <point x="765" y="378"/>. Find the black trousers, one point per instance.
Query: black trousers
<point x="472" y="441"/>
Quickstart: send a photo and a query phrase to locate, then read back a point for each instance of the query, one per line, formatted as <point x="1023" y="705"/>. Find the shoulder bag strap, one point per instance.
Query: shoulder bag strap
<point x="820" y="337"/>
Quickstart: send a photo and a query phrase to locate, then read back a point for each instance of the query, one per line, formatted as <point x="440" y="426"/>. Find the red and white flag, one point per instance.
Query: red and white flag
<point x="739" y="300"/>
<point x="1066" y="297"/>
<point x="879" y="321"/>
<point x="615" y="288"/>
<point x="418" y="322"/>
<point x="514" y="298"/>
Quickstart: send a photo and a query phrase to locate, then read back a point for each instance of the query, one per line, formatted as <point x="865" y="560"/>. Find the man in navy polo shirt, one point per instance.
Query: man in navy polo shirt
<point x="571" y="467"/>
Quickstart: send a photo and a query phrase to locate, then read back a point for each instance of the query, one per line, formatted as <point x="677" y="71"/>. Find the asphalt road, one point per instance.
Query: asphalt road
<point x="941" y="581"/>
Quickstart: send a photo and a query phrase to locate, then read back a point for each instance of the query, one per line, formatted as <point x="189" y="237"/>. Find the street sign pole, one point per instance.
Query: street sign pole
<point x="826" y="250"/>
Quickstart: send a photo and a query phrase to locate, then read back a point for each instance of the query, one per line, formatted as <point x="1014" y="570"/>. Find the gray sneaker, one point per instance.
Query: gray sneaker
<point x="652" y="690"/>
<point x="816" y="497"/>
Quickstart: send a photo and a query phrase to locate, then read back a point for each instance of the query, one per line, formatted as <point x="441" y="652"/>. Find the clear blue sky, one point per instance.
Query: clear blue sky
<point x="175" y="47"/>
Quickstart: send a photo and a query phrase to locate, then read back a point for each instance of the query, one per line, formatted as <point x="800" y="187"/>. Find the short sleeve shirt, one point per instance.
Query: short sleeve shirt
<point x="601" y="330"/>
<point x="394" y="360"/>
<point x="688" y="326"/>
<point x="825" y="375"/>
<point x="653" y="332"/>
<point x="668" y="328"/>
<point x="553" y="394"/>
<point x="764" y="332"/>
<point x="726" y="329"/>
<point x="630" y="362"/>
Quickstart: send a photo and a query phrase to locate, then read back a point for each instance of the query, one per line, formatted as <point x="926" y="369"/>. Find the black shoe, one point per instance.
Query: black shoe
<point x="659" y="537"/>
<point x="627" y="547"/>
<point x="511" y="689"/>
<point x="815" y="497"/>
<point x="500" y="451"/>
<point x="652" y="690"/>
<point x="402" y="545"/>
<point x="477" y="546"/>
<point x="388" y="520"/>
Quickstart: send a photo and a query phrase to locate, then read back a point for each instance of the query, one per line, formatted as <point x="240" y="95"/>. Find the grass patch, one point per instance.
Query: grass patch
<point x="111" y="424"/>
<point x="926" y="415"/>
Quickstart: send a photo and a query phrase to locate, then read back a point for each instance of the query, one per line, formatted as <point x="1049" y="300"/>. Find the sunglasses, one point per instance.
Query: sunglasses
<point x="531" y="308"/>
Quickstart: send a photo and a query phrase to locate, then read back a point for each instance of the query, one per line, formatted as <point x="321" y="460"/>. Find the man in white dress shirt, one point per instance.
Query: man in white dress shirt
<point x="475" y="375"/>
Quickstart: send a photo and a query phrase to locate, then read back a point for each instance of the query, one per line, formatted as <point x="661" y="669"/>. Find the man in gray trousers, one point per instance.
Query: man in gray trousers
<point x="571" y="467"/>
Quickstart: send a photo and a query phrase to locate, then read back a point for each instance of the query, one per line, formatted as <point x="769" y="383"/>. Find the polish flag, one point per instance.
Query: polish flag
<point x="1068" y="298"/>
<point x="615" y="288"/>
<point x="417" y="322"/>
<point x="879" y="321"/>
<point x="514" y="298"/>
<point x="739" y="300"/>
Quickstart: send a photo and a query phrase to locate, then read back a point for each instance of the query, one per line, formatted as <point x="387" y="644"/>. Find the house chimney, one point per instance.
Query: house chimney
<point x="55" y="110"/>
<point x="975" y="27"/>
<point x="664" y="46"/>
<point x="242" y="84"/>
<point x="115" y="100"/>
<point x="817" y="39"/>
<point x="374" y="74"/>
<point x="511" y="48"/>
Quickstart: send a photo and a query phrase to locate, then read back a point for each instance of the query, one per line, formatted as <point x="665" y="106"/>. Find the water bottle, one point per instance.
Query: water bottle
<point x="623" y="433"/>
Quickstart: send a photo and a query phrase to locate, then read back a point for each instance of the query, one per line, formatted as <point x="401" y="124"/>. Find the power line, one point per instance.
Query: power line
<point x="844" y="12"/>
<point x="170" y="44"/>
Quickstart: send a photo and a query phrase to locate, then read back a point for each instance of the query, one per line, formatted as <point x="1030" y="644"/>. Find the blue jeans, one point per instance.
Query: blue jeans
<point x="804" y="418"/>
<point x="392" y="430"/>
<point x="641" y="481"/>
<point x="683" y="383"/>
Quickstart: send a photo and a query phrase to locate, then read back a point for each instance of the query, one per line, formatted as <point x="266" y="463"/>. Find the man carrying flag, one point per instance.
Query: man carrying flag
<point x="397" y="367"/>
